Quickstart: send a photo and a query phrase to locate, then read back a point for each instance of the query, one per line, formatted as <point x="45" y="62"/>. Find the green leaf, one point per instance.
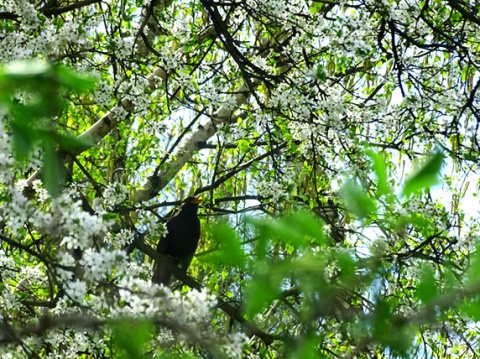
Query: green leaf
<point x="390" y="332"/>
<point x="473" y="272"/>
<point x="21" y="69"/>
<point x="23" y="140"/>
<point x="382" y="318"/>
<point x="426" y="176"/>
<point x="230" y="250"/>
<point x="130" y="337"/>
<point x="380" y="168"/>
<point x="308" y="225"/>
<point x="471" y="308"/>
<point x="31" y="124"/>
<point x="263" y="288"/>
<point x="315" y="7"/>
<point x="258" y="296"/>
<point x="243" y="146"/>
<point x="321" y="73"/>
<point x="53" y="171"/>
<point x="277" y="229"/>
<point x="427" y="289"/>
<point x="298" y="229"/>
<point x="357" y="200"/>
<point x="42" y="77"/>
<point x="307" y="348"/>
<point x="347" y="266"/>
<point x="74" y="81"/>
<point x="72" y="144"/>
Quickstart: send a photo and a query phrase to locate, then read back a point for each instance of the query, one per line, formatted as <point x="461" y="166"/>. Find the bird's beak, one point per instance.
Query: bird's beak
<point x="196" y="200"/>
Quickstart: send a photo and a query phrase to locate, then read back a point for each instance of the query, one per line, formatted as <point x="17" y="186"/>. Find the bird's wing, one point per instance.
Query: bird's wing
<point x="162" y="246"/>
<point x="166" y="241"/>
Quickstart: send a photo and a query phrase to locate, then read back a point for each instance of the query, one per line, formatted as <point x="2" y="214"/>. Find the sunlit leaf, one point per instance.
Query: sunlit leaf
<point x="74" y="81"/>
<point x="23" y="140"/>
<point x="426" y="176"/>
<point x="130" y="337"/>
<point x="262" y="290"/>
<point x="24" y="69"/>
<point x="53" y="171"/>
<point x="471" y="308"/>
<point x="229" y="250"/>
<point x="380" y="168"/>
<point x="427" y="288"/>
<point x="473" y="273"/>
<point x="308" y="348"/>
<point x="357" y="200"/>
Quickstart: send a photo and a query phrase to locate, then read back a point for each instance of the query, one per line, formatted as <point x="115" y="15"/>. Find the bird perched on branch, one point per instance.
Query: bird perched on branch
<point x="180" y="243"/>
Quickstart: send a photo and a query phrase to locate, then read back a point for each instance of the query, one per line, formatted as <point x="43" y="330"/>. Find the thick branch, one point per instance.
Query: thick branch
<point x="93" y="135"/>
<point x="183" y="153"/>
<point x="250" y="328"/>
<point x="46" y="323"/>
<point x="237" y="169"/>
<point x="63" y="9"/>
<point x="466" y="13"/>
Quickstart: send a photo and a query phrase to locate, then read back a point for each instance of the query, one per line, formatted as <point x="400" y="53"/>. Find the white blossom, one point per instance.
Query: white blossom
<point x="114" y="194"/>
<point x="76" y="290"/>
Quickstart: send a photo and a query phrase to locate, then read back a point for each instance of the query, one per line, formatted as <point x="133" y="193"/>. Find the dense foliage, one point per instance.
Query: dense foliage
<point x="334" y="144"/>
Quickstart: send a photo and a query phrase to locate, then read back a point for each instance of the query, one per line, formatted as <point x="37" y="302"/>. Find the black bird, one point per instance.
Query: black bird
<point x="180" y="243"/>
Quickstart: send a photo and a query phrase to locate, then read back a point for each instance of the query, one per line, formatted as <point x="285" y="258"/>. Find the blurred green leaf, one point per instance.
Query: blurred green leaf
<point x="130" y="337"/>
<point x="30" y="118"/>
<point x="277" y="229"/>
<point x="74" y="81"/>
<point x="230" y="250"/>
<point x="53" y="171"/>
<point x="23" y="140"/>
<point x="357" y="200"/>
<point x="308" y="225"/>
<point x="310" y="270"/>
<point x="426" y="176"/>
<point x="471" y="308"/>
<point x="473" y="272"/>
<point x="72" y="144"/>
<point x="298" y="229"/>
<point x="263" y="289"/>
<point x="382" y="317"/>
<point x="308" y="348"/>
<point x="427" y="288"/>
<point x="30" y="73"/>
<point x="380" y="168"/>
<point x="347" y="266"/>
<point x="391" y="332"/>
<point x="24" y="69"/>
<point x="321" y="74"/>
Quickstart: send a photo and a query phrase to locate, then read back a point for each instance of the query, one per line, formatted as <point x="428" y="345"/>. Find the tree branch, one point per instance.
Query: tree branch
<point x="63" y="9"/>
<point x="237" y="169"/>
<point x="250" y="328"/>
<point x="46" y="323"/>
<point x="184" y="152"/>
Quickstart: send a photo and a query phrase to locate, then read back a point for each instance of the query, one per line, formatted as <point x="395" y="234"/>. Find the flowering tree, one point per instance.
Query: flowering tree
<point x="333" y="144"/>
